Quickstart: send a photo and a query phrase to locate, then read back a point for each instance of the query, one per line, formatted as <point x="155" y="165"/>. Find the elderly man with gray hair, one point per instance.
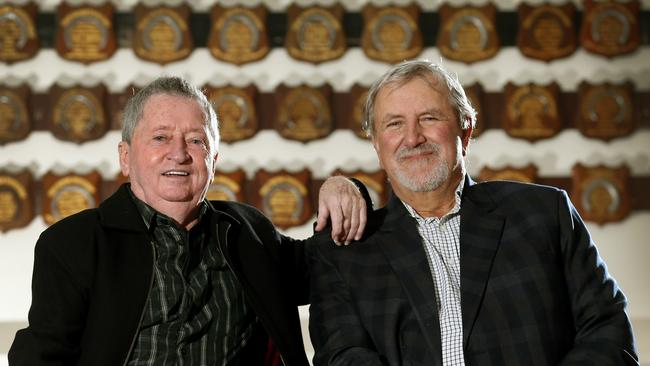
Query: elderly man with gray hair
<point x="453" y="272"/>
<point x="157" y="274"/>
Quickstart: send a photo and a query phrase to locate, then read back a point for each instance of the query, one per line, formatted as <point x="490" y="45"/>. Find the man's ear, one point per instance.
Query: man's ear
<point x="214" y="162"/>
<point x="466" y="136"/>
<point x="123" y="150"/>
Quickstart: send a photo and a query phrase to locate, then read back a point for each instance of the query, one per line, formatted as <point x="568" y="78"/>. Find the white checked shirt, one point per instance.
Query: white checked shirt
<point x="441" y="239"/>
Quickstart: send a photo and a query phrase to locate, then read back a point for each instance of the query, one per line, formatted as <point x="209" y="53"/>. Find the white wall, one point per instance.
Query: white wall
<point x="623" y="245"/>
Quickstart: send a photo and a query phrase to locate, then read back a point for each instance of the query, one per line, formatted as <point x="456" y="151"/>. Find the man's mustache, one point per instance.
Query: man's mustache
<point x="407" y="152"/>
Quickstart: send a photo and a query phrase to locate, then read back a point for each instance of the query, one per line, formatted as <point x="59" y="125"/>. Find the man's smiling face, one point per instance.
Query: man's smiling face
<point x="169" y="159"/>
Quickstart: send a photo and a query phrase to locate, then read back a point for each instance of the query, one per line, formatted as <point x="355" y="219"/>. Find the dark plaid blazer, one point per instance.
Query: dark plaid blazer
<point x="534" y="290"/>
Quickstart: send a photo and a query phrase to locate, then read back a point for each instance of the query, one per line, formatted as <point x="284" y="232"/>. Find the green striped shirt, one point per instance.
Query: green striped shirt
<point x="196" y="313"/>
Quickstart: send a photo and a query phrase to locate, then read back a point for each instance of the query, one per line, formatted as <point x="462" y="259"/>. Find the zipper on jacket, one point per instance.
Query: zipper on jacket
<point x="135" y="336"/>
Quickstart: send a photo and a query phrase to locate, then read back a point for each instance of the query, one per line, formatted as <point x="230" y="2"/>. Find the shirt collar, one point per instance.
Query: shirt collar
<point x="150" y="216"/>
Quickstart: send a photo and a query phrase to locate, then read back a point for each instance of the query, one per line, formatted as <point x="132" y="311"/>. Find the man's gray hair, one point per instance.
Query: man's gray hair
<point x="174" y="86"/>
<point x="432" y="73"/>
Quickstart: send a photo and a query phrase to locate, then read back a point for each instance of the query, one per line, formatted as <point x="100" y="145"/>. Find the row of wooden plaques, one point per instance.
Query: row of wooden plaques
<point x="601" y="194"/>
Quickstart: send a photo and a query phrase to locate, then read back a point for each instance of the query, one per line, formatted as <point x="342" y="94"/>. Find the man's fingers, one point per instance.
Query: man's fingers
<point x="337" y="225"/>
<point x="321" y="219"/>
<point x="353" y="224"/>
<point x="363" y="219"/>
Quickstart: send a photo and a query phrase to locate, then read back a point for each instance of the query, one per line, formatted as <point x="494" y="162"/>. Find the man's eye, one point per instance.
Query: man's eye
<point x="159" y="138"/>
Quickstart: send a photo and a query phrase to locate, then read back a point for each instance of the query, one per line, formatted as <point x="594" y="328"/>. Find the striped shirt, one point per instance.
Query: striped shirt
<point x="441" y="240"/>
<point x="196" y="313"/>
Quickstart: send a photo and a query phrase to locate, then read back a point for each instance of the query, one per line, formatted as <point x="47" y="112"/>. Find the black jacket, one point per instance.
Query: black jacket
<point x="93" y="272"/>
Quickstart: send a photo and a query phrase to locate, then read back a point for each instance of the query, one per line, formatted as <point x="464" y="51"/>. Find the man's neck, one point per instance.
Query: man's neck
<point x="434" y="203"/>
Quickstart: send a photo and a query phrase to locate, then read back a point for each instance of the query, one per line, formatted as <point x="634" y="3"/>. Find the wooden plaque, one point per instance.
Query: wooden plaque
<point x="238" y="34"/>
<point x="605" y="111"/>
<point x="78" y="113"/>
<point x="18" y="36"/>
<point x="227" y="186"/>
<point x="16" y="205"/>
<point x="162" y="34"/>
<point x="531" y="111"/>
<point x="527" y="174"/>
<point x="303" y="113"/>
<point x="284" y="197"/>
<point x="315" y="34"/>
<point x="546" y="32"/>
<point x="236" y="112"/>
<point x="66" y="195"/>
<point x="391" y="34"/>
<point x="610" y="28"/>
<point x="468" y="34"/>
<point x="85" y="33"/>
<point x="15" y="119"/>
<point x="601" y="194"/>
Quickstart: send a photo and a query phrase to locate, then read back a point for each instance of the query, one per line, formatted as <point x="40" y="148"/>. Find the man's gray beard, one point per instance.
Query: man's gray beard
<point x="434" y="176"/>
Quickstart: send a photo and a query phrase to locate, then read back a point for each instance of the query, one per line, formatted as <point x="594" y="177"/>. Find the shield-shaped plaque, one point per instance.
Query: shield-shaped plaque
<point x="303" y="113"/>
<point x="16" y="205"/>
<point x="85" y="33"/>
<point x="527" y="174"/>
<point x="227" y="186"/>
<point x="605" y="110"/>
<point x="15" y="120"/>
<point x="315" y="34"/>
<point x="610" y="28"/>
<point x="117" y="103"/>
<point x="235" y="109"/>
<point x="601" y="194"/>
<point x="375" y="182"/>
<point x="238" y="34"/>
<point x="78" y="113"/>
<point x="468" y="34"/>
<point x="162" y="34"/>
<point x="391" y="34"/>
<point x="66" y="195"/>
<point x="18" y="36"/>
<point x="531" y="111"/>
<point x="474" y="93"/>
<point x="358" y="95"/>
<point x="546" y="32"/>
<point x="284" y="197"/>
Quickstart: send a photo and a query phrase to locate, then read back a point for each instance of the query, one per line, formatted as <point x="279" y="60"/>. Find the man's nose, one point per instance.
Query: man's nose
<point x="178" y="151"/>
<point x="413" y="134"/>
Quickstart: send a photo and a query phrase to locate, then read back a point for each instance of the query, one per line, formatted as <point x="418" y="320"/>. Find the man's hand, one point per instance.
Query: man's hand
<point x="340" y="201"/>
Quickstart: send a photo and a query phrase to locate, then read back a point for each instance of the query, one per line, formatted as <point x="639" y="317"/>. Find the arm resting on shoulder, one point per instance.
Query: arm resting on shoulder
<point x="603" y="329"/>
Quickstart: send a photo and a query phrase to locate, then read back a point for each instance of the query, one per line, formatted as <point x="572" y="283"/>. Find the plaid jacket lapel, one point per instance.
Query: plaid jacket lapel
<point x="403" y="249"/>
<point x="480" y="235"/>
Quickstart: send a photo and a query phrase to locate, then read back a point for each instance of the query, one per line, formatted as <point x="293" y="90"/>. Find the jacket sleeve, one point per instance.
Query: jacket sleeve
<point x="57" y="313"/>
<point x="603" y="330"/>
<point x="335" y="328"/>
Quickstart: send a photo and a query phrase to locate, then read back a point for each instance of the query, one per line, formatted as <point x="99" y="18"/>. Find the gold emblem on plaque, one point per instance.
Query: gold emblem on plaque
<point x="15" y="121"/>
<point x="16" y="209"/>
<point x="65" y="196"/>
<point x="546" y="31"/>
<point x="610" y="28"/>
<point x="235" y="110"/>
<point x="162" y="34"/>
<point x="474" y="93"/>
<point x="85" y="34"/>
<point x="227" y="186"/>
<point x="605" y="111"/>
<point x="304" y="113"/>
<point x="531" y="111"/>
<point x="315" y="34"/>
<point x="601" y="194"/>
<point x="527" y="174"/>
<point x="238" y="34"/>
<point x="18" y="37"/>
<point x="78" y="114"/>
<point x="284" y="197"/>
<point x="391" y="33"/>
<point x="468" y="34"/>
